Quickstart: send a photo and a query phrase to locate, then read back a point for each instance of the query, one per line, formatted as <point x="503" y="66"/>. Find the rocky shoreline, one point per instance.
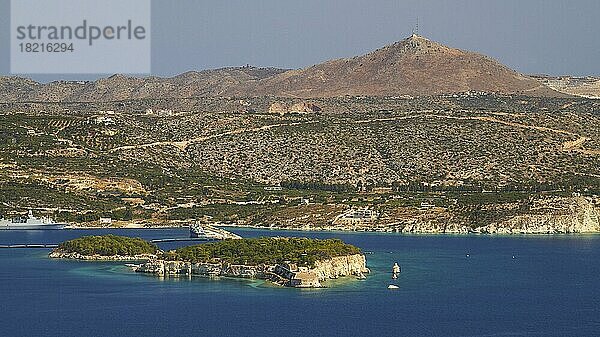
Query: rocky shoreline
<point x="56" y="254"/>
<point x="286" y="274"/>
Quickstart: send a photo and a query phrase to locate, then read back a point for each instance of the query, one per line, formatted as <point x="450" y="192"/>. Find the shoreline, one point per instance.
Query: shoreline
<point x="457" y="234"/>
<point x="339" y="230"/>
<point x="90" y="258"/>
<point x="280" y="274"/>
<point x="133" y="226"/>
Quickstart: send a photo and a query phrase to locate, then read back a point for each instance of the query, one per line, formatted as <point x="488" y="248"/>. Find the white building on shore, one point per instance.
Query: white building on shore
<point x="356" y="216"/>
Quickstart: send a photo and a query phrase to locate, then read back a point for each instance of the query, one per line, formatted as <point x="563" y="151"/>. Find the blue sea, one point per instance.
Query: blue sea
<point x="507" y="286"/>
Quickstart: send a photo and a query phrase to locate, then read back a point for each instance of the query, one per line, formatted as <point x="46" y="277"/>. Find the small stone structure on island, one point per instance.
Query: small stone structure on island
<point x="300" y="277"/>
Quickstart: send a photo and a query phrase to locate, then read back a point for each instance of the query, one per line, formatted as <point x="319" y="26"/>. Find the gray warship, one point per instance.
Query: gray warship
<point x="30" y="222"/>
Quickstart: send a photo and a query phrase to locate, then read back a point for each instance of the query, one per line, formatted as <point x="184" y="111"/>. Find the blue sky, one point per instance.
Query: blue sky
<point x="532" y="36"/>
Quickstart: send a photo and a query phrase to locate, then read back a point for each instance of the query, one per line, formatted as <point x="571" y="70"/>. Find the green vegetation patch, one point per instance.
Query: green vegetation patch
<point x="108" y="245"/>
<point x="302" y="251"/>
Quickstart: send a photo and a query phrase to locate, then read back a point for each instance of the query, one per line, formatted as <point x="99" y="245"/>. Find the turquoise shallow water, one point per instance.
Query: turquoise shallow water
<point x="550" y="288"/>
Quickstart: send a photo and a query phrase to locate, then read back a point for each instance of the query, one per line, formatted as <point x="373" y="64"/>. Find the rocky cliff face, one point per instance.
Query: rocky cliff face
<point x="323" y="270"/>
<point x="172" y="268"/>
<point x="577" y="215"/>
<point x="341" y="266"/>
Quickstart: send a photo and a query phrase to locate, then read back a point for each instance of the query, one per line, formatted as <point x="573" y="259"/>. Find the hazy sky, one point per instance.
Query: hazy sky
<point x="532" y="36"/>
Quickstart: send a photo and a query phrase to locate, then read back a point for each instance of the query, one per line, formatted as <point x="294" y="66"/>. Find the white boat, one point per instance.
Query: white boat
<point x="391" y="286"/>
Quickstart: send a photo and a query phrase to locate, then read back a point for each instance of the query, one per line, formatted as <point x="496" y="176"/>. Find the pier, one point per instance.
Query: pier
<point x="30" y="246"/>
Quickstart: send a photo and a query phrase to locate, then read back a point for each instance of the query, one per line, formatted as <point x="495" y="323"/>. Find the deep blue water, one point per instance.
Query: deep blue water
<point x="550" y="288"/>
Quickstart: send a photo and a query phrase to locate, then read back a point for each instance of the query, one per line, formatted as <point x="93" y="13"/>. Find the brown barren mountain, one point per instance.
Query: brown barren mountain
<point x="415" y="66"/>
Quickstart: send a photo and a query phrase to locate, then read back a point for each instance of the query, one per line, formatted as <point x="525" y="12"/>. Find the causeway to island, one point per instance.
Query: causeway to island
<point x="290" y="262"/>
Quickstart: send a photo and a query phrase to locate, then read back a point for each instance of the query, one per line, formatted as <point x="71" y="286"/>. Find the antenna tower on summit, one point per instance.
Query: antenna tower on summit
<point x="416" y="29"/>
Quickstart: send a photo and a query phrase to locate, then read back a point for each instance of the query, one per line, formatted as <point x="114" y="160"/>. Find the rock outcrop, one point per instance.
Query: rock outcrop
<point x="304" y="107"/>
<point x="300" y="107"/>
<point x="341" y="266"/>
<point x="278" y="108"/>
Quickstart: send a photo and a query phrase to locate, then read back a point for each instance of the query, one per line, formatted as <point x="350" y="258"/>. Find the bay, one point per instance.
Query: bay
<point x="449" y="286"/>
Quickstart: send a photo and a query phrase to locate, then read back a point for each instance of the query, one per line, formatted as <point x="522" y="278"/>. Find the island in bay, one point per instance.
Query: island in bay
<point x="290" y="262"/>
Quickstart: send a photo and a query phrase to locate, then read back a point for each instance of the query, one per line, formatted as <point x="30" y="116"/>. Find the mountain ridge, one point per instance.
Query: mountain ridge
<point x="415" y="66"/>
